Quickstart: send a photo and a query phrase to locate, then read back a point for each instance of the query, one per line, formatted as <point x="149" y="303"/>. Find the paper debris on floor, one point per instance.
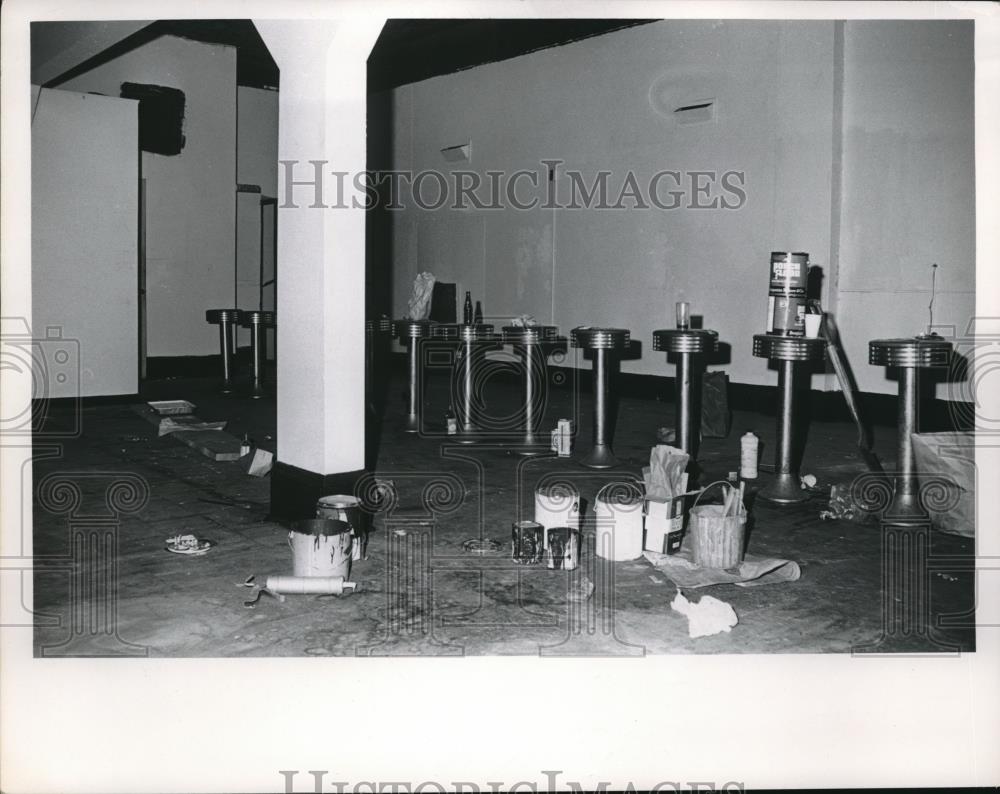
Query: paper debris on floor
<point x="681" y="569"/>
<point x="260" y="463"/>
<point x="705" y="617"/>
<point x="843" y="507"/>
<point x="171" y="407"/>
<point x="189" y="424"/>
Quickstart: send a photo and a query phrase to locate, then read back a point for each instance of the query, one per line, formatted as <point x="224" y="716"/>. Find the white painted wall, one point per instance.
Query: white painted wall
<point x="909" y="184"/>
<point x="589" y="104"/>
<point x="84" y="255"/>
<point x="257" y="138"/>
<point x="256" y="164"/>
<point x="906" y="164"/>
<point x="191" y="204"/>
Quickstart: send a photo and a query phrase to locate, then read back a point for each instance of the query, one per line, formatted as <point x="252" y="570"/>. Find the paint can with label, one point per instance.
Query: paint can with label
<point x="527" y="542"/>
<point x="786" y="301"/>
<point x="320" y="547"/>
<point x="563" y="549"/>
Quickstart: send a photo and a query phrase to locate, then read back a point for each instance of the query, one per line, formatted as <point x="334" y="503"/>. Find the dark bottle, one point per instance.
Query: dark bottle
<point x="479" y="312"/>
<point x="467" y="309"/>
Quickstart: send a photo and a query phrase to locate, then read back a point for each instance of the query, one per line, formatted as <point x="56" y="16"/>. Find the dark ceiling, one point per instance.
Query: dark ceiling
<point x="409" y="50"/>
<point x="254" y="65"/>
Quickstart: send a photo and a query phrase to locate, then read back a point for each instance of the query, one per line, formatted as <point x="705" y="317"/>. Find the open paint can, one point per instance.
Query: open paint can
<point x="346" y="508"/>
<point x="320" y="547"/>
<point x="527" y="542"/>
<point x="563" y="549"/>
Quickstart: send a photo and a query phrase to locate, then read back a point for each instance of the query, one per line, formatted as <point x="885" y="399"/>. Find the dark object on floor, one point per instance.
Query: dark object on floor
<point x="716" y="418"/>
<point x="444" y="303"/>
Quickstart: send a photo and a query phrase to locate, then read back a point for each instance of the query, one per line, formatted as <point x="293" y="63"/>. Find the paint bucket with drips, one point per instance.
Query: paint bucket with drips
<point x="562" y="551"/>
<point x="527" y="542"/>
<point x="320" y="547"/>
<point x="346" y="508"/>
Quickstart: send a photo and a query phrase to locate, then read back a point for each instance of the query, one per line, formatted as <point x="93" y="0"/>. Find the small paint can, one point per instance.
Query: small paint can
<point x="563" y="550"/>
<point x="527" y="542"/>
<point x="347" y="508"/>
<point x="786" y="302"/>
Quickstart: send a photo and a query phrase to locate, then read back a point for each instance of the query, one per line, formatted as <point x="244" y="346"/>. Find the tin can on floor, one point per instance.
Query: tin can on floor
<point x="527" y="542"/>
<point x="786" y="302"/>
<point x="563" y="550"/>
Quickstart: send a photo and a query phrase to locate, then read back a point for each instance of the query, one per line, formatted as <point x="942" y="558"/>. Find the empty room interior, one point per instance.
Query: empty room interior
<point x="596" y="337"/>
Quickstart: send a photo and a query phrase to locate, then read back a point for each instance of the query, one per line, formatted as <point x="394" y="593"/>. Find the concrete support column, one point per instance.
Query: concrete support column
<point x="321" y="258"/>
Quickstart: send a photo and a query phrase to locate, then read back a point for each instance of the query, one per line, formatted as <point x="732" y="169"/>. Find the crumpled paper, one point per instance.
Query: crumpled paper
<point x="842" y="506"/>
<point x="180" y="424"/>
<point x="681" y="569"/>
<point x="705" y="617"/>
<point x="419" y="304"/>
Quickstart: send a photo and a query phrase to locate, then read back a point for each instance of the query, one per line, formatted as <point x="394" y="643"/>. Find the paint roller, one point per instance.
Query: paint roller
<point x="278" y="586"/>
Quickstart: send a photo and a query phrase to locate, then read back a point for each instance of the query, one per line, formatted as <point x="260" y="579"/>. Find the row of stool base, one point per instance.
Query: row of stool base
<point x="257" y="322"/>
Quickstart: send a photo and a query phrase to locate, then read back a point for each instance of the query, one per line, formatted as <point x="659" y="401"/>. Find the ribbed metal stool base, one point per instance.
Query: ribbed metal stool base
<point x="533" y="343"/>
<point x="257" y="321"/>
<point x="227" y="320"/>
<point x="604" y="342"/>
<point x="910" y="355"/>
<point x="409" y="333"/>
<point x="470" y="340"/>
<point x="790" y="351"/>
<point x="685" y="344"/>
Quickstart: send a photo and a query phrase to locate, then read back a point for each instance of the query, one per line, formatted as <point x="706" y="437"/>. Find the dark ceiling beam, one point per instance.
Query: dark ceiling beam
<point x="254" y="65"/>
<point x="410" y="50"/>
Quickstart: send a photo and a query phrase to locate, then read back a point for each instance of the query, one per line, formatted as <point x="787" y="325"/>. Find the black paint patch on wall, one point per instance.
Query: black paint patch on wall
<point x="161" y="117"/>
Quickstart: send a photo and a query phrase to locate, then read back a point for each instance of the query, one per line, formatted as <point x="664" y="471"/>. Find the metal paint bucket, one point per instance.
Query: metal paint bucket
<point x="786" y="302"/>
<point x="346" y="508"/>
<point x="563" y="549"/>
<point x="527" y="542"/>
<point x="619" y="522"/>
<point x="320" y="547"/>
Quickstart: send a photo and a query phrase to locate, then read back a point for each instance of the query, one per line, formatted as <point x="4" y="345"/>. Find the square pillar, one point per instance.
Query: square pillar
<point x="320" y="259"/>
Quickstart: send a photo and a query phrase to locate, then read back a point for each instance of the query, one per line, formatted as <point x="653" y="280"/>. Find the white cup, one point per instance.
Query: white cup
<point x="812" y="324"/>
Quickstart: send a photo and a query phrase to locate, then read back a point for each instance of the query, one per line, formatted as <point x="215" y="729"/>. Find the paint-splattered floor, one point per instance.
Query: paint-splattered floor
<point x="419" y="592"/>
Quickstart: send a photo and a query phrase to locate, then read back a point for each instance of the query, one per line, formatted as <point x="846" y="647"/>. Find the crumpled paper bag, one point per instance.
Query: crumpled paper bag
<point x="681" y="569"/>
<point x="419" y="304"/>
<point x="705" y="617"/>
<point x="665" y="476"/>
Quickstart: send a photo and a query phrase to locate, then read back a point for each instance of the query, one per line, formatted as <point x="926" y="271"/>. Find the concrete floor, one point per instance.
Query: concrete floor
<point x="419" y="592"/>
